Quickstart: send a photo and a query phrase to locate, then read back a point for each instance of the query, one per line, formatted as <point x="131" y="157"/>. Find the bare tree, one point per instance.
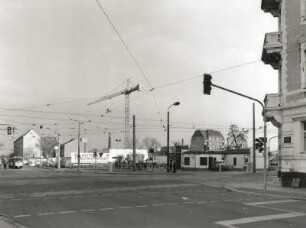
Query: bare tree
<point x="237" y="138"/>
<point x="151" y="143"/>
<point x="47" y="145"/>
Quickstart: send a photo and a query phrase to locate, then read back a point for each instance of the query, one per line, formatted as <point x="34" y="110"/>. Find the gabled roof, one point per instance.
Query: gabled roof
<point x="25" y="135"/>
<point x="69" y="141"/>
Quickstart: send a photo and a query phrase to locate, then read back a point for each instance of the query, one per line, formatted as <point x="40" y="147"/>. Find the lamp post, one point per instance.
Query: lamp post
<point x="269" y="147"/>
<point x="79" y="134"/>
<point x="168" y="133"/>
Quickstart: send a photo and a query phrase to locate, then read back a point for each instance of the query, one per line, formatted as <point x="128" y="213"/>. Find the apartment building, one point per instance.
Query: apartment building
<point x="285" y="51"/>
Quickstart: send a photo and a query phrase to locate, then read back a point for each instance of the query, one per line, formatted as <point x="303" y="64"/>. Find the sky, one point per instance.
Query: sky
<point x="58" y="55"/>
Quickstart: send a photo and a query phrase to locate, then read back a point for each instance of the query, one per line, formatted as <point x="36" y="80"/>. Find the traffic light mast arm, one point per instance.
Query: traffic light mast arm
<point x="240" y="94"/>
<point x="265" y="128"/>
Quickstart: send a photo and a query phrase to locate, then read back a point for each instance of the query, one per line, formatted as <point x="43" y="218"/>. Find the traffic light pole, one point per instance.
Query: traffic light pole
<point x="265" y="128"/>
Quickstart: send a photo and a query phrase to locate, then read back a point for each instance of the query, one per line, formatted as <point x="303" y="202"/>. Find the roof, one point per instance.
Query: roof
<point x="21" y="136"/>
<point x="222" y="152"/>
<point x="210" y="133"/>
<point x="70" y="140"/>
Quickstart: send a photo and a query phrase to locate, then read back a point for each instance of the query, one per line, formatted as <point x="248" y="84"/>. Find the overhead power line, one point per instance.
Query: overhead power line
<point x="200" y="76"/>
<point x="124" y="43"/>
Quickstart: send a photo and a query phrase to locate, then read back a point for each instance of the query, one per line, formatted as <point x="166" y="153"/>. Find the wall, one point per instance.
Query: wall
<point x="31" y="144"/>
<point x="241" y="164"/>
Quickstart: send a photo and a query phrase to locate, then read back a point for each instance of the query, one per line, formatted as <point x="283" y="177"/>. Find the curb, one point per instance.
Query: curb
<point x="230" y="188"/>
<point x="10" y="223"/>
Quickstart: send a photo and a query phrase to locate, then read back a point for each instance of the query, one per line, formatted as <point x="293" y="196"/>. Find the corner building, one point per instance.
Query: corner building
<point x="285" y="51"/>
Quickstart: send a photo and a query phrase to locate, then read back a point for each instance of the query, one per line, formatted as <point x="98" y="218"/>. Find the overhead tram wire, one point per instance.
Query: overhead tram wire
<point x="200" y="76"/>
<point x="115" y="117"/>
<point x="133" y="58"/>
<point x="95" y="115"/>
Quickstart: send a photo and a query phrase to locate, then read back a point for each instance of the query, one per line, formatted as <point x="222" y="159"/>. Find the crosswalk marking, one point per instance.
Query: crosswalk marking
<point x="234" y="222"/>
<point x="271" y="202"/>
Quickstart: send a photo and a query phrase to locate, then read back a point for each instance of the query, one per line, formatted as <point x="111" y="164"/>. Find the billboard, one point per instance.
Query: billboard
<point x="88" y="158"/>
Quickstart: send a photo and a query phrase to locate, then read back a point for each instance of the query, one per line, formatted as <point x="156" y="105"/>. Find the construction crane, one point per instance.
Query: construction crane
<point x="127" y="91"/>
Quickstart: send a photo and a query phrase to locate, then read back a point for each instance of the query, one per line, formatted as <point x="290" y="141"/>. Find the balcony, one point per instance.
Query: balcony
<point x="271" y="6"/>
<point x="272" y="47"/>
<point x="273" y="104"/>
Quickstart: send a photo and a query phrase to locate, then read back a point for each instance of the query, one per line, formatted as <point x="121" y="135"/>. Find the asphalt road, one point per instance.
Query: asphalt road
<point x="53" y="199"/>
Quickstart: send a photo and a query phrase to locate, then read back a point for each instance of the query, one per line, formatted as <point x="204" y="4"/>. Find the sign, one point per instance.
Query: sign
<point x="89" y="158"/>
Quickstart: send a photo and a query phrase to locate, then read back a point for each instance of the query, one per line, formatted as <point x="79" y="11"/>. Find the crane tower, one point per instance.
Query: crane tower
<point x="127" y="91"/>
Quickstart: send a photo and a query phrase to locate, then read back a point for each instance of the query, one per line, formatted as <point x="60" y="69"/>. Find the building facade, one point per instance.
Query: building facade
<point x="285" y="51"/>
<point x="208" y="150"/>
<point x="28" y="145"/>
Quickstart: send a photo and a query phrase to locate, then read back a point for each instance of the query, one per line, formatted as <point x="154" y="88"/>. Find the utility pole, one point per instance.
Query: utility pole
<point x="182" y="153"/>
<point x="59" y="152"/>
<point x="134" y="144"/>
<point x="79" y="138"/>
<point x="254" y="136"/>
<point x="109" y="140"/>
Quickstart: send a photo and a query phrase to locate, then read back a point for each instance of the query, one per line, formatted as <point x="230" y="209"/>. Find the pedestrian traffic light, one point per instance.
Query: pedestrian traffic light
<point x="9" y="130"/>
<point x="207" y="84"/>
<point x="259" y="144"/>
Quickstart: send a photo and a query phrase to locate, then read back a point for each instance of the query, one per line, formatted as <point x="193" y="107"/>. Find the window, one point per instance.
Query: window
<point x="203" y="160"/>
<point x="235" y="161"/>
<point x="187" y="161"/>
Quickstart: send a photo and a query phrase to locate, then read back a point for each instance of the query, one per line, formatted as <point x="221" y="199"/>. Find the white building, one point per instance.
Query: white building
<point x="28" y="145"/>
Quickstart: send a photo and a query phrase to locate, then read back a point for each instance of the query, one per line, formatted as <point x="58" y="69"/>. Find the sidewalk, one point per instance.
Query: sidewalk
<point x="254" y="184"/>
<point x="7" y="223"/>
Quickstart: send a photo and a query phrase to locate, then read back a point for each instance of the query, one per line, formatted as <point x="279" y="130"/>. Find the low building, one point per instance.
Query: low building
<point x="209" y="160"/>
<point x="27" y="145"/>
<point x="207" y="151"/>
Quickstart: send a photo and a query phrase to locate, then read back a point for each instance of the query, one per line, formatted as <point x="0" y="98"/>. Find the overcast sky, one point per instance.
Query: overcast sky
<point x="58" y="55"/>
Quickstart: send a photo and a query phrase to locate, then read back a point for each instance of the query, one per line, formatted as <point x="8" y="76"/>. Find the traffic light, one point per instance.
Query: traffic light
<point x="9" y="130"/>
<point x="207" y="84"/>
<point x="259" y="144"/>
<point x="95" y="153"/>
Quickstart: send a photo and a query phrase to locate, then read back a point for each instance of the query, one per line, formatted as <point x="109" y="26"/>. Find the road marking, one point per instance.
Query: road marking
<point x="21" y="216"/>
<point x="66" y="212"/>
<point x="106" y="209"/>
<point x="88" y="210"/>
<point x="202" y="202"/>
<point x="15" y="199"/>
<point x="271" y="202"/>
<point x="232" y="223"/>
<point x="125" y="207"/>
<point x="170" y="204"/>
<point x="141" y="206"/>
<point x="46" y="213"/>
<point x="188" y="202"/>
<point x="158" y="205"/>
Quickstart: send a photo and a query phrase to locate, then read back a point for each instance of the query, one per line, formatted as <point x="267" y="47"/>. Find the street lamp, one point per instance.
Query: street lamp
<point x="168" y="133"/>
<point x="79" y="133"/>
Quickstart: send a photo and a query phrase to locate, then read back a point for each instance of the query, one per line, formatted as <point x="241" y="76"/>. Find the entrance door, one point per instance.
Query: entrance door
<point x="210" y="162"/>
